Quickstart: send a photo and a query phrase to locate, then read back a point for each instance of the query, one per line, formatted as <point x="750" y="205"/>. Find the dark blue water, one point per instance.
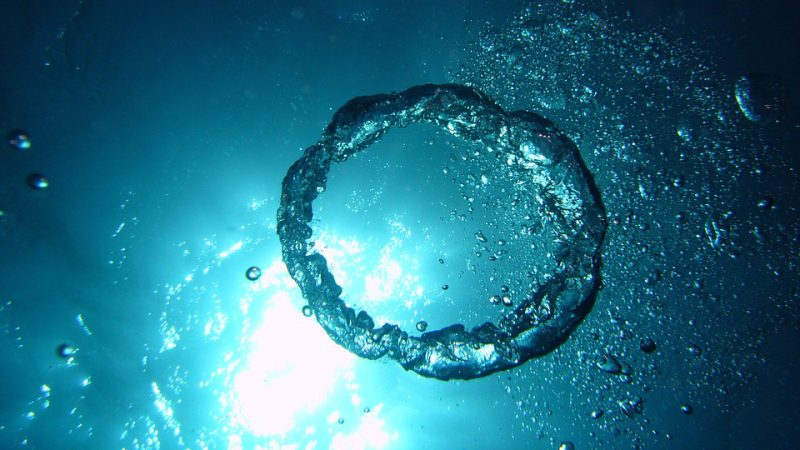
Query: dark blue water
<point x="162" y="132"/>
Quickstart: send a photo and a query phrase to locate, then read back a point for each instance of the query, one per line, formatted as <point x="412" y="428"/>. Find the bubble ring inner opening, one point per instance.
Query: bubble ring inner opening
<point x="563" y="188"/>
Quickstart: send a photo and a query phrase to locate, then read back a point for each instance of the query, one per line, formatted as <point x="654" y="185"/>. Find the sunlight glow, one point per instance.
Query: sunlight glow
<point x="395" y="274"/>
<point x="292" y="367"/>
<point x="370" y="434"/>
<point x="343" y="256"/>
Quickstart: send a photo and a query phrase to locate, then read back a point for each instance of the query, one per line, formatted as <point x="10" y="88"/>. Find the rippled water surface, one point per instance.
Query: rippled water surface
<point x="649" y="271"/>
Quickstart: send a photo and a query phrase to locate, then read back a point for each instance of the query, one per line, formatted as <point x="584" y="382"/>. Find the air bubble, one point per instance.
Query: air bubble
<point x="687" y="409"/>
<point x="454" y="352"/>
<point x="653" y="278"/>
<point x="66" y="351"/>
<point x="422" y="326"/>
<point x="19" y="139"/>
<point x="38" y="181"/>
<point x="631" y="407"/>
<point x="766" y="202"/>
<point x="566" y="445"/>
<point x="685" y="134"/>
<point x="253" y="273"/>
<point x="761" y="97"/>
<point x="609" y="364"/>
<point x="647" y="345"/>
<point x="307" y="311"/>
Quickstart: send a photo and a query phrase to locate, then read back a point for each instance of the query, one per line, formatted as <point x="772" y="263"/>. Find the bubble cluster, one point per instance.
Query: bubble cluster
<point x="695" y="168"/>
<point x="548" y="167"/>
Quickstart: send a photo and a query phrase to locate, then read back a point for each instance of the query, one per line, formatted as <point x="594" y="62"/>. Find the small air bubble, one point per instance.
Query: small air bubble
<point x="766" y="202"/>
<point x="19" y="139"/>
<point x="684" y="133"/>
<point x="609" y="364"/>
<point x="647" y="345"/>
<point x="66" y="351"/>
<point x="38" y="181"/>
<point x="253" y="273"/>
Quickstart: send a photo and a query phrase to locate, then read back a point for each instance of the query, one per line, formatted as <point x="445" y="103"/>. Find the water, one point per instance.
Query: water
<point x="146" y="146"/>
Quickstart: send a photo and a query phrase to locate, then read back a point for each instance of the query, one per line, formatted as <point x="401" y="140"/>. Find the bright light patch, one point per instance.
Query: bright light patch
<point x="389" y="280"/>
<point x="370" y="434"/>
<point x="393" y="276"/>
<point x="164" y="406"/>
<point x="215" y="326"/>
<point x="344" y="256"/>
<point x="381" y="284"/>
<point x="233" y="248"/>
<point x="171" y="337"/>
<point x="292" y="367"/>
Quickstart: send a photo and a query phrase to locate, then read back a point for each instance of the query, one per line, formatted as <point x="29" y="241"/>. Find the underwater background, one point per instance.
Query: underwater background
<point x="146" y="147"/>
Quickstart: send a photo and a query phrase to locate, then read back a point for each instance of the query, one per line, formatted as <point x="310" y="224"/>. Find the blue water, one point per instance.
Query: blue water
<point x="164" y="131"/>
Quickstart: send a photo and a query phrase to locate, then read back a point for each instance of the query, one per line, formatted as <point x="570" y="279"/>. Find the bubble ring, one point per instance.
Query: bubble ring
<point x="564" y="187"/>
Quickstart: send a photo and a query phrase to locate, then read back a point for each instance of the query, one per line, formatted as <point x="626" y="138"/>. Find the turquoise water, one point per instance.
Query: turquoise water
<point x="148" y="143"/>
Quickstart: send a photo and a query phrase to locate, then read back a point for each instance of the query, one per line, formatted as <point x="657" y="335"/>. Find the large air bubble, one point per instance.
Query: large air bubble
<point x="761" y="97"/>
<point x="560" y="189"/>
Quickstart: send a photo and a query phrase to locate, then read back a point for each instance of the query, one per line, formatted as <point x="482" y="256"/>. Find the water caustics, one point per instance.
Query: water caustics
<point x="548" y="171"/>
